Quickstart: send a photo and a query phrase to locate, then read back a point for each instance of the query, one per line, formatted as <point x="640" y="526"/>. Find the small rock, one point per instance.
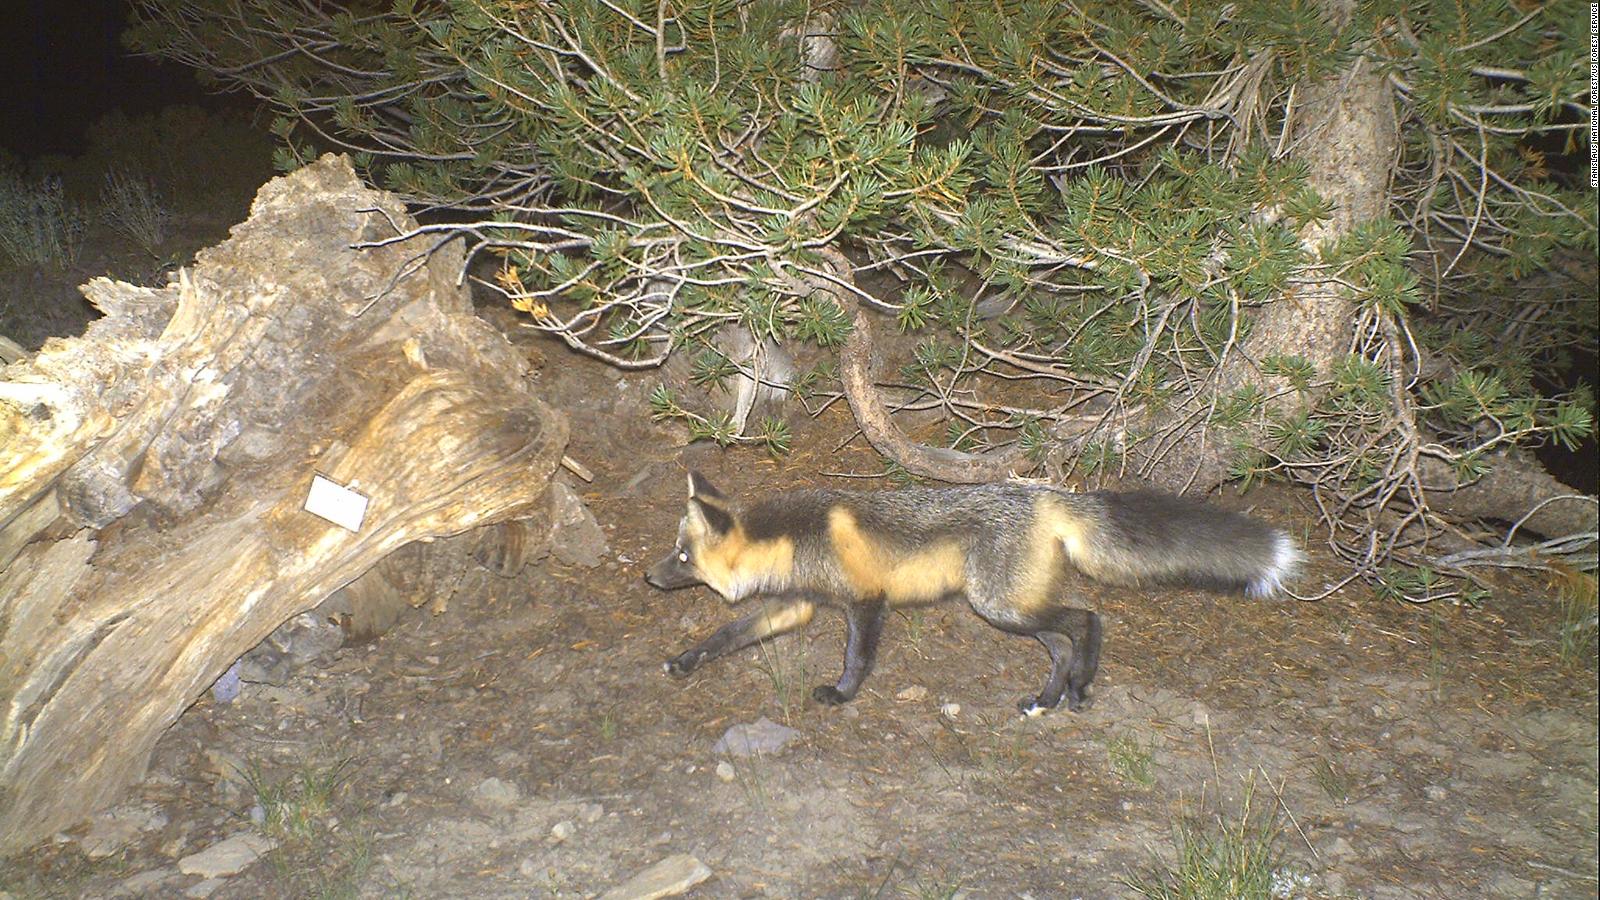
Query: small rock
<point x="913" y="693"/>
<point x="113" y="829"/>
<point x="725" y="771"/>
<point x="144" y="884"/>
<point x="528" y="868"/>
<point x="562" y="830"/>
<point x="229" y="768"/>
<point x="265" y="664"/>
<point x="576" y="539"/>
<point x="173" y="847"/>
<point x="591" y="812"/>
<point x="492" y="794"/>
<point x="226" y="689"/>
<point x="1506" y="884"/>
<point x="203" y="889"/>
<point x="764" y="736"/>
<point x="228" y="857"/>
<point x="1201" y="715"/>
<point x="1435" y="793"/>
<point x="149" y="883"/>
<point x="668" y="878"/>
<point x="307" y="637"/>
<point x="950" y="710"/>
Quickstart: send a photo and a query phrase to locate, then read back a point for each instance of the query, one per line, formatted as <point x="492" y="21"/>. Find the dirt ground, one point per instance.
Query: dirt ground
<point x="525" y="743"/>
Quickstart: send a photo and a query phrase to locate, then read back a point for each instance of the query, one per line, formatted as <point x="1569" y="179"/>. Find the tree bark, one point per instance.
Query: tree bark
<point x="155" y="472"/>
<point x="1346" y="132"/>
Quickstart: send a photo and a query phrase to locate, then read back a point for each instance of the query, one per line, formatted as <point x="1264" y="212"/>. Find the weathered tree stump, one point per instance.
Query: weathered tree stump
<point x="153" y="472"/>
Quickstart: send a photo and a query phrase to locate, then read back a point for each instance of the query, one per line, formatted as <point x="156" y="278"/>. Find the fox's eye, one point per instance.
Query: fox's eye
<point x="683" y="556"/>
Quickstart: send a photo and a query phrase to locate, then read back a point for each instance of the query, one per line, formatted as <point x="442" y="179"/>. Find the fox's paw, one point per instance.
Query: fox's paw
<point x="828" y="695"/>
<point x="1031" y="707"/>
<point x="1035" y="706"/>
<point x="683" y="663"/>
<point x="1077" y="700"/>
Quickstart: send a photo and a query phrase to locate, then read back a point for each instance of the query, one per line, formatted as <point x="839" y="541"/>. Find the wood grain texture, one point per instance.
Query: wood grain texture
<point x="154" y="469"/>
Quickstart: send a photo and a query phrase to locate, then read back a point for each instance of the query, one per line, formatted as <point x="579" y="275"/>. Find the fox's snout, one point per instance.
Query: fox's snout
<point x="671" y="573"/>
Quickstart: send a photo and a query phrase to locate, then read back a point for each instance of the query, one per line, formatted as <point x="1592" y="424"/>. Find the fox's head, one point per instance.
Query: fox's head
<point x="713" y="549"/>
<point x="705" y="526"/>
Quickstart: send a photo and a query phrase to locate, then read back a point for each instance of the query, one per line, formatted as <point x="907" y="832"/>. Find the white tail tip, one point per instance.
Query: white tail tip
<point x="1286" y="559"/>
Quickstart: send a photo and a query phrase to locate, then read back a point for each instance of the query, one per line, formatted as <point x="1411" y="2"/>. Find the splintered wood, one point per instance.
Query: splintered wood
<point x="154" y="472"/>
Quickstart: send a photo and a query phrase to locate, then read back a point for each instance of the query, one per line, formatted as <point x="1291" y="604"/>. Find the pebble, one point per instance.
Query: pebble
<point x="763" y="736"/>
<point x="950" y="710"/>
<point x="202" y="889"/>
<point x="113" y="829"/>
<point x="228" y="857"/>
<point x="668" y="878"/>
<point x="725" y="771"/>
<point x="912" y="693"/>
<point x="492" y="793"/>
<point x="562" y="830"/>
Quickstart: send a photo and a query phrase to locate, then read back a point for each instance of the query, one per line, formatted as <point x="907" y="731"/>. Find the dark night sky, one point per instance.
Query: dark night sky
<point x="64" y="67"/>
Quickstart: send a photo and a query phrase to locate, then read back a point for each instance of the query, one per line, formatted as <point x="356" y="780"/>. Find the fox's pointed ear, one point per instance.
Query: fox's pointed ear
<point x="707" y="518"/>
<point x="703" y="489"/>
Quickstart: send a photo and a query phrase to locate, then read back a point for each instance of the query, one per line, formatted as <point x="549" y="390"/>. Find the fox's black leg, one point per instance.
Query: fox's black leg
<point x="1085" y="660"/>
<point x="1060" y="647"/>
<point x="771" y="618"/>
<point x="865" y="620"/>
<point x="1073" y="638"/>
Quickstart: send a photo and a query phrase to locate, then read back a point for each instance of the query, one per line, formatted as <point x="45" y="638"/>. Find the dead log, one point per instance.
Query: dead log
<point x="154" y="471"/>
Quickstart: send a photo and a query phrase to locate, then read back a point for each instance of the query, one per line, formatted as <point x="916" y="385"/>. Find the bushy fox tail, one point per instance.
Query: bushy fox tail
<point x="1145" y="537"/>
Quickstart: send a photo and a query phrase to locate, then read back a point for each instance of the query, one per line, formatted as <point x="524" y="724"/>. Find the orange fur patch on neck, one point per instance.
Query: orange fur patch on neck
<point x="737" y="566"/>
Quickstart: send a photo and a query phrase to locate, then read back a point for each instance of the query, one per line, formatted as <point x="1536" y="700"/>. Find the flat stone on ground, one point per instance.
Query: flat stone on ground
<point x="668" y="878"/>
<point x="228" y="857"/>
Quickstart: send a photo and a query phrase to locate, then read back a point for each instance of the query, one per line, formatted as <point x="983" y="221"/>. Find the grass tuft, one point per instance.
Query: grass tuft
<point x="1132" y="761"/>
<point x="133" y="207"/>
<point x="317" y="857"/>
<point x="1220" y="858"/>
<point x="39" y="227"/>
<point x="786" y="665"/>
<point x="1577" y="639"/>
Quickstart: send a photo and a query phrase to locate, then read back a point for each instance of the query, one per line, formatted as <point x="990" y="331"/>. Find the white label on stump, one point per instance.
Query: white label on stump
<point x="336" y="503"/>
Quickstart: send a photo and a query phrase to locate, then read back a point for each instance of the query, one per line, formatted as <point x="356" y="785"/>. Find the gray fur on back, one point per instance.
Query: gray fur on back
<point x="1133" y="537"/>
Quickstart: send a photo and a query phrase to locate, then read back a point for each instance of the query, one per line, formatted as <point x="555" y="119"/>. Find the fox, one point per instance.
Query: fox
<point x="1011" y="550"/>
